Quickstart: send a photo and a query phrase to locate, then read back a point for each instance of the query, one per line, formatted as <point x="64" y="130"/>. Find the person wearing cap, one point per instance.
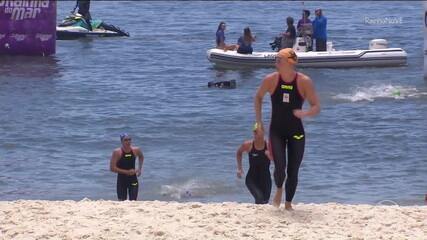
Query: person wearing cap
<point x="258" y="179"/>
<point x="288" y="90"/>
<point x="319" y="30"/>
<point x="123" y="163"/>
<point x="220" y="38"/>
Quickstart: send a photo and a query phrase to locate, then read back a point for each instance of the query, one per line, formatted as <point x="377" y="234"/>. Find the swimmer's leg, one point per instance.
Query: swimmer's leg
<point x="266" y="188"/>
<point x="278" y="150"/>
<point x="254" y="189"/>
<point x="295" y="155"/>
<point x="121" y="188"/>
<point x="133" y="190"/>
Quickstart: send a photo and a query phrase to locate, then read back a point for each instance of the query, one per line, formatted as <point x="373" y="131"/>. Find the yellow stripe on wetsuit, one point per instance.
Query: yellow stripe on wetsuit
<point x="298" y="137"/>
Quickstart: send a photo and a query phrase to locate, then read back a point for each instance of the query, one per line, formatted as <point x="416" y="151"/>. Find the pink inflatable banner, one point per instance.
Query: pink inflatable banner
<point x="27" y="27"/>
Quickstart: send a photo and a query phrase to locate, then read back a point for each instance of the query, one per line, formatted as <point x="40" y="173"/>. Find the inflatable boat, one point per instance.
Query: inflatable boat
<point x="74" y="27"/>
<point x="378" y="55"/>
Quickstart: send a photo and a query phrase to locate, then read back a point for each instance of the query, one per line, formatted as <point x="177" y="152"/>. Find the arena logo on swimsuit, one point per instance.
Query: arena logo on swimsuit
<point x="23" y="9"/>
<point x="298" y="137"/>
<point x="288" y="87"/>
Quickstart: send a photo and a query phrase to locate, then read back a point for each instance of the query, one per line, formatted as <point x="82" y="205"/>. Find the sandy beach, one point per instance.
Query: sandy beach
<point x="88" y="219"/>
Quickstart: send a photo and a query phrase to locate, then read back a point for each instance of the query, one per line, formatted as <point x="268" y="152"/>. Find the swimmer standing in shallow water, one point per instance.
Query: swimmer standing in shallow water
<point x="258" y="179"/>
<point x="288" y="90"/>
<point x="123" y="163"/>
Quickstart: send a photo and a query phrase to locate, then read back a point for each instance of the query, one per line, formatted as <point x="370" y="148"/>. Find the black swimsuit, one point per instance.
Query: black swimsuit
<point x="126" y="183"/>
<point x="258" y="179"/>
<point x="286" y="131"/>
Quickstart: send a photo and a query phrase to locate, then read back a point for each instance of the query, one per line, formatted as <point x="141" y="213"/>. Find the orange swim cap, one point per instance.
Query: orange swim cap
<point x="288" y="54"/>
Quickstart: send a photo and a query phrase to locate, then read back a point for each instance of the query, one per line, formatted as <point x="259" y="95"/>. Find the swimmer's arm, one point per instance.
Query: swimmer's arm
<point x="245" y="147"/>
<point x="262" y="90"/>
<point x="113" y="164"/>
<point x="312" y="99"/>
<point x="309" y="93"/>
<point x="140" y="161"/>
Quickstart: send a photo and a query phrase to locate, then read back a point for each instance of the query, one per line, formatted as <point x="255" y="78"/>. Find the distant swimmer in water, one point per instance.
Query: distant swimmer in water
<point x="288" y="90"/>
<point x="123" y="163"/>
<point x="223" y="84"/>
<point x="258" y="179"/>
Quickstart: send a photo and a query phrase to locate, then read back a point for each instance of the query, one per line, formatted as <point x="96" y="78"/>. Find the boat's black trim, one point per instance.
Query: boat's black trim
<point x="401" y="60"/>
<point x="69" y="35"/>
<point x="244" y="60"/>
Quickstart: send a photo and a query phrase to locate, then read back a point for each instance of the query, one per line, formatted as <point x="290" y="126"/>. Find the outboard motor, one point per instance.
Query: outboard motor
<point x="378" y="44"/>
<point x="276" y="44"/>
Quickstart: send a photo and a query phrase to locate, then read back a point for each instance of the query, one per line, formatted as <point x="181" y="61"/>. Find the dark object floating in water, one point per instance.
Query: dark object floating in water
<point x="223" y="84"/>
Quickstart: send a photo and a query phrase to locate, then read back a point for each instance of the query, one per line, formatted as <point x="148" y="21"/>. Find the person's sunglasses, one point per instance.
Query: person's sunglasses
<point x="127" y="139"/>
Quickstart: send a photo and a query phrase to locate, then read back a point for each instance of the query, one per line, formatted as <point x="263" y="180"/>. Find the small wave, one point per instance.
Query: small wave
<point x="381" y="91"/>
<point x="387" y="203"/>
<point x="189" y="189"/>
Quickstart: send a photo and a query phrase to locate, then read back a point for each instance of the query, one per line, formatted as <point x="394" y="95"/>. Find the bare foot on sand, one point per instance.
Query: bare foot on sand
<point x="288" y="206"/>
<point x="278" y="197"/>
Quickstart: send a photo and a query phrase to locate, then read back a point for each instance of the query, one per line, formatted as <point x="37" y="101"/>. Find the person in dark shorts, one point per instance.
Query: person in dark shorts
<point x="84" y="7"/>
<point x="258" y="179"/>
<point x="288" y="90"/>
<point x="123" y="163"/>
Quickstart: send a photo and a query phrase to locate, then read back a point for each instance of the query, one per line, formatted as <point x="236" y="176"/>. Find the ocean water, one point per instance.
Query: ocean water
<point x="62" y="115"/>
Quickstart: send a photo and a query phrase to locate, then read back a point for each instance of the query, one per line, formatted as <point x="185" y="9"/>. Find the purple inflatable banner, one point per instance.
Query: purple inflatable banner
<point x="27" y="27"/>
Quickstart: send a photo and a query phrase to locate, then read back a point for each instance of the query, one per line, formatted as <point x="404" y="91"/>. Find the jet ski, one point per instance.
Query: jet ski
<point x="74" y="26"/>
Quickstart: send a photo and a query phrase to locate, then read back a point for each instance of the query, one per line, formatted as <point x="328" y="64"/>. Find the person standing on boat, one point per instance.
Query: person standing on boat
<point x="305" y="29"/>
<point x="123" y="163"/>
<point x="84" y="6"/>
<point x="304" y="25"/>
<point x="244" y="42"/>
<point x="258" y="179"/>
<point x="220" y="38"/>
<point x="288" y="90"/>
<point x="319" y="30"/>
<point x="289" y="37"/>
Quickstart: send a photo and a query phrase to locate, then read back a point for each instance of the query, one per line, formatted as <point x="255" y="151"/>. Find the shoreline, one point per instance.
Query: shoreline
<point x="86" y="219"/>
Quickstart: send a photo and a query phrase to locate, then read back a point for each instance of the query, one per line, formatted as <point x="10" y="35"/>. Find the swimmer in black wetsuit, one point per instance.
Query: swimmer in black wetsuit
<point x="258" y="179"/>
<point x="123" y="163"/>
<point x="288" y="90"/>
